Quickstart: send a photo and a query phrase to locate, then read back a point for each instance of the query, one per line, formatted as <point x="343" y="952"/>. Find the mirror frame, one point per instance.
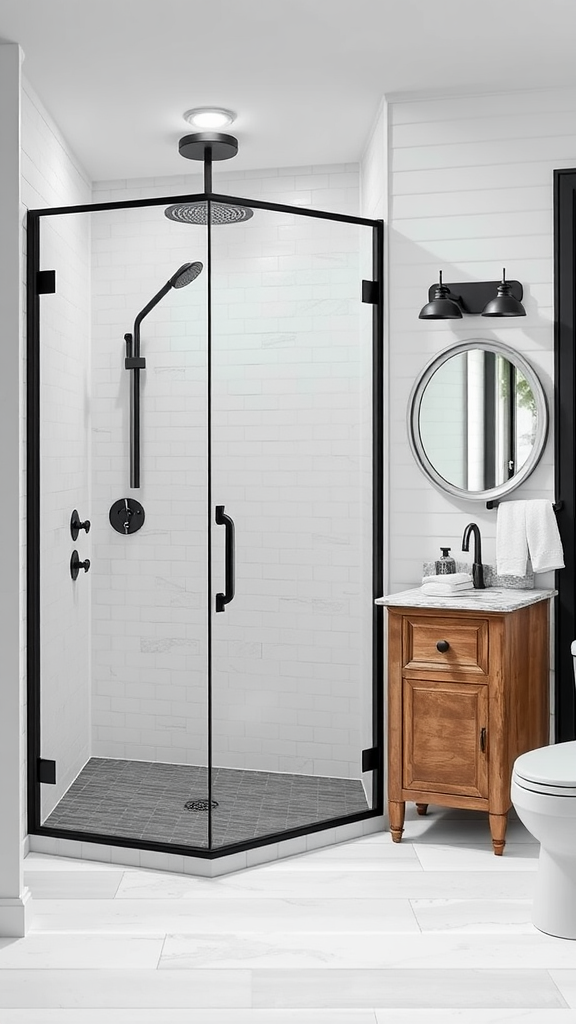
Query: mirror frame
<point x="415" y="402"/>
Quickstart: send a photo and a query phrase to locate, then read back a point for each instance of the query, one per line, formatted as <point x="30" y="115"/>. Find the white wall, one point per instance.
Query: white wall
<point x="471" y="192"/>
<point x="291" y="441"/>
<point x="52" y="176"/>
<point x="14" y="897"/>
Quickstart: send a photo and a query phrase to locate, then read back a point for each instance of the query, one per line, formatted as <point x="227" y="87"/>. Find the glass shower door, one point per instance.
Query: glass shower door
<point x="123" y="645"/>
<point x="291" y="467"/>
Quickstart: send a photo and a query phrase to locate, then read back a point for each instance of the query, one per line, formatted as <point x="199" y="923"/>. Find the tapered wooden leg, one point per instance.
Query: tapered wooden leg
<point x="396" y="810"/>
<point x="421" y="808"/>
<point x="498" y="823"/>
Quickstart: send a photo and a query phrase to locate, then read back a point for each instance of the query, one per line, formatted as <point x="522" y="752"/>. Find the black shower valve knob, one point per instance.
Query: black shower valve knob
<point x="76" y="525"/>
<point x="76" y="564"/>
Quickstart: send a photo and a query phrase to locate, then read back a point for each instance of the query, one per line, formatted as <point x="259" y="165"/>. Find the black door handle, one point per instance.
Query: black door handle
<point x="223" y="520"/>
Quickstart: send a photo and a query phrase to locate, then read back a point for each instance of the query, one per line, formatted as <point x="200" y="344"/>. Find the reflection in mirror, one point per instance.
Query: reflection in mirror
<point x="477" y="420"/>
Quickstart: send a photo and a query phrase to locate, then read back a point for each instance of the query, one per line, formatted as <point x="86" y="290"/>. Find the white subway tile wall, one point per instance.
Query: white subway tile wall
<point x="291" y="441"/>
<point x="52" y="176"/>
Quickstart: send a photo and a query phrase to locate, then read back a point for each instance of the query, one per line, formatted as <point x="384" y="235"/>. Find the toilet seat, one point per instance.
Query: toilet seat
<point x="550" y="769"/>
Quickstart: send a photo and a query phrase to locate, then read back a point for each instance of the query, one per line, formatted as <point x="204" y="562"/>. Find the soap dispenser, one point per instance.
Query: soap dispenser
<point x="445" y="564"/>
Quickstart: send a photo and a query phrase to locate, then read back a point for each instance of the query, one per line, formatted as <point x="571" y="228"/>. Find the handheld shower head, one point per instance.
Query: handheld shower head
<point x="185" y="274"/>
<point x="134" y="361"/>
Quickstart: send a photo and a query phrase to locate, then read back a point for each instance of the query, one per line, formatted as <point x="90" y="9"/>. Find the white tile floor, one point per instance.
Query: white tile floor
<point x="435" y="929"/>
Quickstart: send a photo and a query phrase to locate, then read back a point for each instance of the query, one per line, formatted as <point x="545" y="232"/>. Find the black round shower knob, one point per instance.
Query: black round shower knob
<point x="126" y="516"/>
<point x="76" y="564"/>
<point x="76" y="525"/>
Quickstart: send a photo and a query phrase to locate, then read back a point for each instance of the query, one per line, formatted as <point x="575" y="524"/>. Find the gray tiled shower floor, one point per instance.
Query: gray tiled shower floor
<point x="145" y="800"/>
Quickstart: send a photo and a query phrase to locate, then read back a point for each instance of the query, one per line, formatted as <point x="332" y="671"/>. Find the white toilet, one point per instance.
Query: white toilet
<point x="544" y="795"/>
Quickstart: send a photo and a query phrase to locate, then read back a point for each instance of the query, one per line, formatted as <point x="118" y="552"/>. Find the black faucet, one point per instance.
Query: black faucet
<point x="477" y="570"/>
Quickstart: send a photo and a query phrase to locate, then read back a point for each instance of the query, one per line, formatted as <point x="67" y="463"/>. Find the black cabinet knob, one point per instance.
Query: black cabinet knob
<point x="76" y="525"/>
<point x="442" y="646"/>
<point x="76" y="564"/>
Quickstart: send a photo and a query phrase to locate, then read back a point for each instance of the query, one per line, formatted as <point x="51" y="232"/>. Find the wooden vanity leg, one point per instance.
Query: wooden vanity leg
<point x="421" y="808"/>
<point x="396" y="811"/>
<point x="498" y="823"/>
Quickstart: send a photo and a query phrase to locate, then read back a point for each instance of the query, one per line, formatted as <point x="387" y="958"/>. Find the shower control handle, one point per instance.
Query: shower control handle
<point x="76" y="564"/>
<point x="76" y="525"/>
<point x="223" y="520"/>
<point x="126" y="516"/>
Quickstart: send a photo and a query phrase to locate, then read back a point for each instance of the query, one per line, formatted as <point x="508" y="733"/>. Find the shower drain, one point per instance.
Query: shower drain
<point x="199" y="805"/>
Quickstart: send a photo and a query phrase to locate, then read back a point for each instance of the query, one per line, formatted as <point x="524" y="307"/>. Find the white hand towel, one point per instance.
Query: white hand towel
<point x="543" y="537"/>
<point x="445" y="590"/>
<point x="452" y="578"/>
<point x="527" y="528"/>
<point x="511" y="543"/>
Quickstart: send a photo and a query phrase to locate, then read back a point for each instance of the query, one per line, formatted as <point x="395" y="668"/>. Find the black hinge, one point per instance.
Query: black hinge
<point x="45" y="282"/>
<point x="370" y="759"/>
<point x="370" y="292"/>
<point x="46" y="771"/>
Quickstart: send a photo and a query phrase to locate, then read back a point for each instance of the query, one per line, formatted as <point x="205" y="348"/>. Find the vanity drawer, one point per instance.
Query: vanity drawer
<point x="425" y="639"/>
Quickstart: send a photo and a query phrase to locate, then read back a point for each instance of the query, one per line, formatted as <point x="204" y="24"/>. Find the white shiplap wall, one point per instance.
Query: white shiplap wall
<point x="471" y="192"/>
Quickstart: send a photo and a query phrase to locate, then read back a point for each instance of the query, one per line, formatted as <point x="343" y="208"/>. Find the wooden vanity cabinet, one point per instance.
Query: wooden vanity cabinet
<point x="467" y="693"/>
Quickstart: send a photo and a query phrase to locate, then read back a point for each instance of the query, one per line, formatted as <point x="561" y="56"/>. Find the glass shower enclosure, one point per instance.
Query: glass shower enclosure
<point x="204" y="522"/>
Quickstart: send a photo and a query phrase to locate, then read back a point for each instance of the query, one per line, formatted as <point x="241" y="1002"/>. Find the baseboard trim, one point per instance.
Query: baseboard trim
<point x="15" y="915"/>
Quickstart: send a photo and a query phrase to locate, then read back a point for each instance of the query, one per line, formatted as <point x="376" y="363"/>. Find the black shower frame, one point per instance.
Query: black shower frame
<point x="375" y="757"/>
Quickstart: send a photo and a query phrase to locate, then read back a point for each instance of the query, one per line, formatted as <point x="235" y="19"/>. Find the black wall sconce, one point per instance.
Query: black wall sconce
<point x="450" y="301"/>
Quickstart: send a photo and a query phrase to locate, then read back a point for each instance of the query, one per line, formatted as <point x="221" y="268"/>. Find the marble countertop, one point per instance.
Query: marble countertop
<point x="492" y="599"/>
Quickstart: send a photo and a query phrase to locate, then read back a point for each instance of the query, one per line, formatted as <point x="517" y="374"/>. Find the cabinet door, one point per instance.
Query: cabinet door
<point x="444" y="741"/>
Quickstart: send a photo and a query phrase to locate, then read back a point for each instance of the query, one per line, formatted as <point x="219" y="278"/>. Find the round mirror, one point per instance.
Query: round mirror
<point x="478" y="420"/>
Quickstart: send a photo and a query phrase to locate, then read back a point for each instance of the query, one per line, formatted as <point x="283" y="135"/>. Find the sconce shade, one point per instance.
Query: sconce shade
<point x="441" y="306"/>
<point x="504" y="304"/>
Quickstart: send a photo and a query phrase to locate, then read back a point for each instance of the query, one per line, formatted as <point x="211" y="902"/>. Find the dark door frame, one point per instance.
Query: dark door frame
<point x="564" y="442"/>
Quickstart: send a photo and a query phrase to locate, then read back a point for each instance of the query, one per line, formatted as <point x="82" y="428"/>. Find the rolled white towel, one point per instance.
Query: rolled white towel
<point x="451" y="578"/>
<point x="445" y="590"/>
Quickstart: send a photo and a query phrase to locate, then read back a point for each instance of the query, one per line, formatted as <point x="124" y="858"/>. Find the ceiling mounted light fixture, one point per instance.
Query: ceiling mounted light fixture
<point x="210" y="118"/>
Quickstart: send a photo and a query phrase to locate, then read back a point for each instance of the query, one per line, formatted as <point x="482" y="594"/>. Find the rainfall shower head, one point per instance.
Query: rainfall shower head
<point x="187" y="273"/>
<point x="207" y="147"/>
<point x="197" y="213"/>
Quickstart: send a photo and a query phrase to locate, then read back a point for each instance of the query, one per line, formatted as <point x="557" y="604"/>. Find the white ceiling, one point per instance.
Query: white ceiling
<point x="305" y="76"/>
